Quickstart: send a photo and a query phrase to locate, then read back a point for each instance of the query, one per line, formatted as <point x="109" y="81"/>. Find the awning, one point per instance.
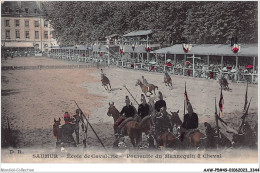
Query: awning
<point x="19" y="44"/>
<point x="138" y="33"/>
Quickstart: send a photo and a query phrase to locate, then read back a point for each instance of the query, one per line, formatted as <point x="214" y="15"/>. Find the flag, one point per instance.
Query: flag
<point x="221" y="102"/>
<point x="186" y="95"/>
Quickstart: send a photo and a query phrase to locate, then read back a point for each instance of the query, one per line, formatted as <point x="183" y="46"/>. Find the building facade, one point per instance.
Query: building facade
<point x="23" y="27"/>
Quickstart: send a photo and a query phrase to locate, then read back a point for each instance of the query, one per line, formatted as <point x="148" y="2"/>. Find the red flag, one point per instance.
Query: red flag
<point x="221" y="102"/>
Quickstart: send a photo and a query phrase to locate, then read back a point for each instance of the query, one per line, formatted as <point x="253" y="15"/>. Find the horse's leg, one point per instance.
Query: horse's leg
<point x="110" y="86"/>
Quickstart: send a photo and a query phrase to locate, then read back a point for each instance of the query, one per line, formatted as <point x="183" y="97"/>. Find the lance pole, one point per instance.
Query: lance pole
<point x="131" y="94"/>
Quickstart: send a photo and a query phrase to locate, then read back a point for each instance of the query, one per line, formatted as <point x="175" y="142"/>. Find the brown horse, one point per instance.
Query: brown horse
<point x="145" y="89"/>
<point x="195" y="138"/>
<point x="131" y="128"/>
<point x="165" y="139"/>
<point x="56" y="128"/>
<point x="105" y="82"/>
<point x="223" y="83"/>
<point x="167" y="80"/>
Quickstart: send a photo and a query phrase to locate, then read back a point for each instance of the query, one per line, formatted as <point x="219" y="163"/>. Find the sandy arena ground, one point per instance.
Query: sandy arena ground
<point x="31" y="99"/>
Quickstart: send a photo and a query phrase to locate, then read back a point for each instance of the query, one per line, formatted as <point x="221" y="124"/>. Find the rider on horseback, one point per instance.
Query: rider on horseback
<point x="67" y="130"/>
<point x="127" y="112"/>
<point x="143" y="109"/>
<point x="190" y="122"/>
<point x="162" y="124"/>
<point x="145" y="82"/>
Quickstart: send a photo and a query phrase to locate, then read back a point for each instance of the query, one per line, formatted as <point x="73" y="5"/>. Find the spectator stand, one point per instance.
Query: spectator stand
<point x="214" y="50"/>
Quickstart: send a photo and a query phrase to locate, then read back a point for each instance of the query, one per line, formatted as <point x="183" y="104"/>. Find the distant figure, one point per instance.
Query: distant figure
<point x="145" y="82"/>
<point x="143" y="109"/>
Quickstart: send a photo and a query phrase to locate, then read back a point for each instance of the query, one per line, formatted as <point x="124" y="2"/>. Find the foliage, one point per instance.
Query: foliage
<point x="82" y="22"/>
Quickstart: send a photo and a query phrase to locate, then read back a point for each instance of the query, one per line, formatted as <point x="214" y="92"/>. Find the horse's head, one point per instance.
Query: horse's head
<point x="56" y="127"/>
<point x="138" y="82"/>
<point x="112" y="111"/>
<point x="175" y="119"/>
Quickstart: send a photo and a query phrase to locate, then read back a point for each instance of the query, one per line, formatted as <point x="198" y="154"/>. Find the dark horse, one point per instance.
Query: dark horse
<point x="56" y="128"/>
<point x="167" y="80"/>
<point x="165" y="139"/>
<point x="195" y="138"/>
<point x="105" y="81"/>
<point x="131" y="128"/>
<point x="146" y="89"/>
<point x="223" y="83"/>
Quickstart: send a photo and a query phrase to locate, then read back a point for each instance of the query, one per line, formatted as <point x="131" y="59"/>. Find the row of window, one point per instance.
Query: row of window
<point x="27" y="34"/>
<point x="18" y="10"/>
<point x="26" y="23"/>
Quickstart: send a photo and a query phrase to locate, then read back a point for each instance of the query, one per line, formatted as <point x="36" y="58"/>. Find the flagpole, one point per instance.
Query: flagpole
<point x="216" y="118"/>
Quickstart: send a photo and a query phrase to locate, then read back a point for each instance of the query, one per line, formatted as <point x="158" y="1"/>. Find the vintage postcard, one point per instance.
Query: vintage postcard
<point x="137" y="83"/>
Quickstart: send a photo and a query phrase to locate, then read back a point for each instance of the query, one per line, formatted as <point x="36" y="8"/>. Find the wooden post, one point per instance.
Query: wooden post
<point x="175" y="60"/>
<point x="236" y="61"/>
<point x="184" y="64"/>
<point x="108" y="61"/>
<point x="208" y="60"/>
<point x="222" y="62"/>
<point x="165" y="55"/>
<point x="253" y="70"/>
<point x="156" y="56"/>
<point x="193" y="65"/>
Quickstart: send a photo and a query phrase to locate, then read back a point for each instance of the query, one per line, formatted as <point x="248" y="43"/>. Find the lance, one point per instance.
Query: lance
<point x="131" y="94"/>
<point x="90" y="125"/>
<point x="246" y="96"/>
<point x="244" y="117"/>
<point x="216" y="117"/>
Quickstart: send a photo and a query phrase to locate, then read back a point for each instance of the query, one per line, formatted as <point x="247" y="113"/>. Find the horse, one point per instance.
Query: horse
<point x="167" y="80"/>
<point x="223" y="83"/>
<point x="56" y="128"/>
<point x="145" y="88"/>
<point x="131" y="128"/>
<point x="194" y="138"/>
<point x="105" y="82"/>
<point x="165" y="139"/>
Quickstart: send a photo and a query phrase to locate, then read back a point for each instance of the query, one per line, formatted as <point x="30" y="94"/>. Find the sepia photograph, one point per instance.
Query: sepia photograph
<point x="151" y="86"/>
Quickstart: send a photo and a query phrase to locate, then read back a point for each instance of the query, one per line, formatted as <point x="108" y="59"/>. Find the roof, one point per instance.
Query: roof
<point x="138" y="33"/>
<point x="19" y="44"/>
<point x="211" y="49"/>
<point x="113" y="35"/>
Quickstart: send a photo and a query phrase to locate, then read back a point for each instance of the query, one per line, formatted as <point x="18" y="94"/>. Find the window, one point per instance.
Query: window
<point x="26" y="23"/>
<point x="7" y="34"/>
<point x="17" y="23"/>
<point x="17" y="34"/>
<point x="27" y="34"/>
<point x="6" y="9"/>
<point x="36" y="34"/>
<point x="7" y="23"/>
<point x="26" y="10"/>
<point x="46" y="34"/>
<point x="36" y="23"/>
<point x="45" y="23"/>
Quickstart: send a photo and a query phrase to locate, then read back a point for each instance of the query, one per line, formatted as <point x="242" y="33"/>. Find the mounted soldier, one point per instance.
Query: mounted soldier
<point x="128" y="111"/>
<point x="143" y="109"/>
<point x="65" y="138"/>
<point x="190" y="123"/>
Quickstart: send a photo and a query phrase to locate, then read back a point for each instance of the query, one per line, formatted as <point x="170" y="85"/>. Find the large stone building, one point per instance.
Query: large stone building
<point x="23" y="27"/>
